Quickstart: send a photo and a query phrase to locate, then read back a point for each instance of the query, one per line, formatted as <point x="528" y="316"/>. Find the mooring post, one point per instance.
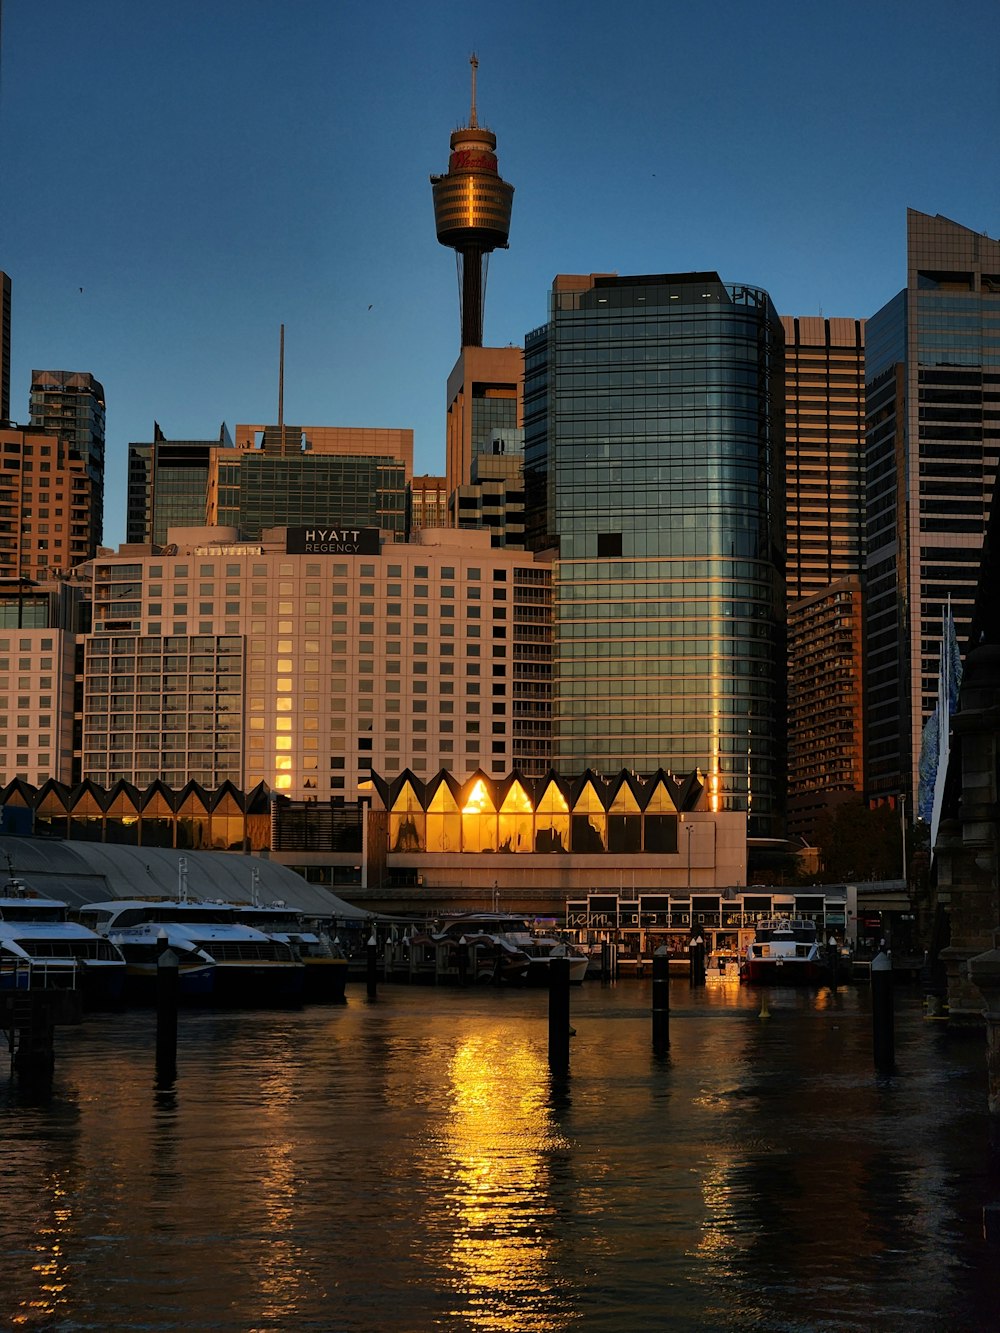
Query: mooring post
<point x="559" y="1015"/>
<point x="167" y="999"/>
<point x="463" y="962"/>
<point x="697" y="960"/>
<point x="34" y="1061"/>
<point x="605" y="960"/>
<point x="661" y="1000"/>
<point x="883" y="1037"/>
<point x="372" y="961"/>
<point x="833" y="960"/>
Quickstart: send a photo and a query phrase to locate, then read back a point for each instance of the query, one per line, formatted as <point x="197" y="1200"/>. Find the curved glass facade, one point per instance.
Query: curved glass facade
<point x="654" y="465"/>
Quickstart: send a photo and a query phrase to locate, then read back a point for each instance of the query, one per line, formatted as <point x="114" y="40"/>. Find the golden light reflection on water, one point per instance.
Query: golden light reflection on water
<point x="499" y="1136"/>
<point x="51" y="1268"/>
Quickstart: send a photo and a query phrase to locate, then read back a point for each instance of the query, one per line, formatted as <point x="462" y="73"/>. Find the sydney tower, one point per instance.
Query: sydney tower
<point x="472" y="213"/>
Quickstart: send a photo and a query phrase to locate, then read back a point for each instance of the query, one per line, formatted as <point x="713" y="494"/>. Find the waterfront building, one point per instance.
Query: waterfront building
<point x="531" y="843"/>
<point x="168" y="484"/>
<point x="48" y="499"/>
<point x="824" y="470"/>
<point x="933" y="438"/>
<point x="5" y="303"/>
<point x="70" y="404"/>
<point x="654" y="468"/>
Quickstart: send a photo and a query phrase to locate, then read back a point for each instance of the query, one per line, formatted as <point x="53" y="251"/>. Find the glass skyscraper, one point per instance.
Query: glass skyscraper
<point x="933" y="439"/>
<point x="654" y="467"/>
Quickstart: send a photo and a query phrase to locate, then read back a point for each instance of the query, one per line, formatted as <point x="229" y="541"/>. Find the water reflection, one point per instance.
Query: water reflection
<point x="498" y="1138"/>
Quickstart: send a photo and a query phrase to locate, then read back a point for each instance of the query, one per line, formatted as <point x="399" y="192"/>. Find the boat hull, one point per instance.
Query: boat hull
<point x="325" y="980"/>
<point x="784" y="972"/>
<point x="260" y="984"/>
<point x="195" y="983"/>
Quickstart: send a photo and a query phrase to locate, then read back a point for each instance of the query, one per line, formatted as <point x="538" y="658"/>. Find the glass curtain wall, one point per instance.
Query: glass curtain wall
<point x="654" y="465"/>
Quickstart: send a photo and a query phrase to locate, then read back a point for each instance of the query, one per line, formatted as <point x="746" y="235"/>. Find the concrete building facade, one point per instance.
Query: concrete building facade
<point x="48" y="498"/>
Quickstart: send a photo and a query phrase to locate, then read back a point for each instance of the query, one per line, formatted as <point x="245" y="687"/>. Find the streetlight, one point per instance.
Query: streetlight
<point x="690" y="830"/>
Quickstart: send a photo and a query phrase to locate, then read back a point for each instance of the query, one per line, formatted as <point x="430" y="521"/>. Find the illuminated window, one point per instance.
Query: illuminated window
<point x="516" y="821"/>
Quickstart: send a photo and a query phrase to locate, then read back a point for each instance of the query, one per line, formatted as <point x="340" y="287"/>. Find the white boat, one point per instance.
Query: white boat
<point x="515" y="933"/>
<point x="785" y="952"/>
<point x="325" y="965"/>
<point x="60" y="953"/>
<point x="246" y="966"/>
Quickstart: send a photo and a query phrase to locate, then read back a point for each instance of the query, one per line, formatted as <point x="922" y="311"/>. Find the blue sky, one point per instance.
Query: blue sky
<point x="206" y="171"/>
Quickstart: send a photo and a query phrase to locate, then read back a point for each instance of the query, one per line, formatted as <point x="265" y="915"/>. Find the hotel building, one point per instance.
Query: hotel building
<point x="654" y="468"/>
<point x="933" y="440"/>
<point x="311" y="657"/>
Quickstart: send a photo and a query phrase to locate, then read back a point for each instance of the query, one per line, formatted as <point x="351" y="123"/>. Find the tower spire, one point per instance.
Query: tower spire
<point x="472" y="212"/>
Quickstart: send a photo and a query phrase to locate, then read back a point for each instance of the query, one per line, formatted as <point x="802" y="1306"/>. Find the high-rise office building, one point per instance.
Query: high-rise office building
<point x="168" y="484"/>
<point x="824" y="451"/>
<point x="472" y="213"/>
<point x="485" y="397"/>
<point x="654" y="466"/>
<point x="4" y="348"/>
<point x="824" y="470"/>
<point x="933" y="439"/>
<point x="71" y="404"/>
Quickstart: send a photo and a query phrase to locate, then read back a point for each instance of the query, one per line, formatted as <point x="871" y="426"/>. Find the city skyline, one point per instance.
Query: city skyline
<point x="197" y="209"/>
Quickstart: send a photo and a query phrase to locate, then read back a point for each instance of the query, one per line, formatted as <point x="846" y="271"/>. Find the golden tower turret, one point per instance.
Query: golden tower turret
<point x="472" y="213"/>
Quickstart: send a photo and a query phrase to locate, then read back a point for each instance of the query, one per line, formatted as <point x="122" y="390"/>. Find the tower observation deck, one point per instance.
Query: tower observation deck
<point x="472" y="213"/>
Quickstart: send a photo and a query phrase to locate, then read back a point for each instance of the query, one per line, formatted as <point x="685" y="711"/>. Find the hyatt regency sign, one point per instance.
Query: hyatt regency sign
<point x="331" y="541"/>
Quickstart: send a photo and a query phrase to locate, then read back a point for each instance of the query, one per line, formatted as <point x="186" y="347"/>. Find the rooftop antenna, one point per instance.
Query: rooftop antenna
<point x="281" y="387"/>
<point x="473" y="123"/>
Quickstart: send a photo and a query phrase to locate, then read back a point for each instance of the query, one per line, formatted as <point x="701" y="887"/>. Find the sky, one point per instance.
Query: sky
<point x="179" y="179"/>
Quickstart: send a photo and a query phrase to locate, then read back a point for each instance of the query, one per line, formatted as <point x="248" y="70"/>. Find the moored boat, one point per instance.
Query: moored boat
<point x="62" y="953"/>
<point x="784" y="952"/>
<point x="325" y="977"/>
<point x="248" y="967"/>
<point x="514" y="933"/>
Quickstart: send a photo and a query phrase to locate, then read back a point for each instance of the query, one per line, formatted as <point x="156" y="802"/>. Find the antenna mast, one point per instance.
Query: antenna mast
<point x="473" y="123"/>
<point x="281" y="388"/>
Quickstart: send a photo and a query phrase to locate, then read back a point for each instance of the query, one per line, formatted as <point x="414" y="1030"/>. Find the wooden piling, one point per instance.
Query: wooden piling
<point x="661" y="1000"/>
<point x="559" y="1015"/>
<point x="372" y="967"/>
<point x="167" y="1001"/>
<point x="883" y="1036"/>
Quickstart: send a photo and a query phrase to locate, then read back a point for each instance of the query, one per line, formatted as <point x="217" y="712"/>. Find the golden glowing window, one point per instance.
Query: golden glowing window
<point x="590" y="823"/>
<point x="479" y="820"/>
<point x="660" y="802"/>
<point x="552" y="821"/>
<point x="444" y="822"/>
<point x="282" y="742"/>
<point x="284" y="645"/>
<point x="407" y="822"/>
<point x="283" y="723"/>
<point x="284" y="664"/>
<point x="284" y="685"/>
<point x="283" y="705"/>
<point x="282" y="764"/>
<point x="516" y="823"/>
<point x="282" y="782"/>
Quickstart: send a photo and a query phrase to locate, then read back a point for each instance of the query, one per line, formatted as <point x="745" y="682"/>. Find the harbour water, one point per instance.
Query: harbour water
<point x="411" y="1165"/>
